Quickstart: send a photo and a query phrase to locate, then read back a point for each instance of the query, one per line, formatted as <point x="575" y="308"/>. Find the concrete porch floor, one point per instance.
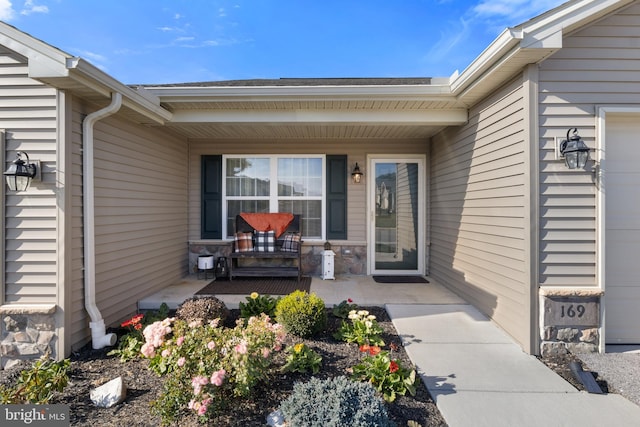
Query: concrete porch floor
<point x="363" y="290"/>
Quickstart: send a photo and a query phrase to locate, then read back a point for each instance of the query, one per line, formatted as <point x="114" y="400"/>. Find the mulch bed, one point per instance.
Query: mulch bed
<point x="91" y="368"/>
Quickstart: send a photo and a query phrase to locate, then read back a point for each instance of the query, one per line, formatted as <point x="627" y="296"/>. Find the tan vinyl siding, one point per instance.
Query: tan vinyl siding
<point x="598" y="66"/>
<point x="479" y="210"/>
<point x="356" y="149"/>
<point x="28" y="118"/>
<point x="141" y="216"/>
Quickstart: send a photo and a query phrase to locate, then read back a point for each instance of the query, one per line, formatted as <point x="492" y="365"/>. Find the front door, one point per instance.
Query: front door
<point x="396" y="215"/>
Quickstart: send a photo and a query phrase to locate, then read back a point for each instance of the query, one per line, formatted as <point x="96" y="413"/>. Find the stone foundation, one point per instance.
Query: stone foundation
<point x="26" y="332"/>
<point x="349" y="259"/>
<point x="570" y="321"/>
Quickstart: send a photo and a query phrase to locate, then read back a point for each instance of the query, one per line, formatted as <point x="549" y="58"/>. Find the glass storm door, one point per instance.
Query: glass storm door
<point x="396" y="219"/>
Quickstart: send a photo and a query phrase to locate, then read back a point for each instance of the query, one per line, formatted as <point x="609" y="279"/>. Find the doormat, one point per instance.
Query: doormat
<point x="261" y="285"/>
<point x="400" y="279"/>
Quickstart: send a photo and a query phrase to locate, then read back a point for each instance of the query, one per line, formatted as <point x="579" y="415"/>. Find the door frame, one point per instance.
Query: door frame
<point x="600" y="179"/>
<point x="372" y="159"/>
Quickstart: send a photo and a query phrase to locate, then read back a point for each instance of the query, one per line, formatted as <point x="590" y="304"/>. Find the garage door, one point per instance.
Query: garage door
<point x="622" y="245"/>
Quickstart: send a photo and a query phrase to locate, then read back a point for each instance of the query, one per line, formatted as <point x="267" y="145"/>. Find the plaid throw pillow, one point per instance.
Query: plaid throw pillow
<point x="265" y="241"/>
<point x="244" y="242"/>
<point x="290" y="243"/>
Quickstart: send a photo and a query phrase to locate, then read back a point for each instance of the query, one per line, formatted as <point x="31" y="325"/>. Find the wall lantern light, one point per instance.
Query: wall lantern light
<point x="20" y="174"/>
<point x="574" y="150"/>
<point x="356" y="175"/>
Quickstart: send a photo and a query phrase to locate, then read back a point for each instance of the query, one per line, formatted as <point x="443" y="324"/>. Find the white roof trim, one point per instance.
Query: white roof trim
<point x="143" y="103"/>
<point x="543" y="33"/>
<point x="48" y="63"/>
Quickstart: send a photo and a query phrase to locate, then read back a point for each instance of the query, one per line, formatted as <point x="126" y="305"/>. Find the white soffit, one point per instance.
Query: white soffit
<point x="398" y="118"/>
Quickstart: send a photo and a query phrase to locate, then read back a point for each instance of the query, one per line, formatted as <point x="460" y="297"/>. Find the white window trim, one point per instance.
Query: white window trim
<point x="273" y="190"/>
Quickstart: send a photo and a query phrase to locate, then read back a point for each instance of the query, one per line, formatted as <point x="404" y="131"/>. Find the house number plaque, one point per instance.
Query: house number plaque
<point x="571" y="311"/>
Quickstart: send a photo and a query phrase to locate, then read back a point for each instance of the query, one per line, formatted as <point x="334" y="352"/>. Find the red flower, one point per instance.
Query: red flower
<point x="374" y="349"/>
<point x="134" y="321"/>
<point x="393" y="366"/>
<point x="349" y="300"/>
<point x="364" y="348"/>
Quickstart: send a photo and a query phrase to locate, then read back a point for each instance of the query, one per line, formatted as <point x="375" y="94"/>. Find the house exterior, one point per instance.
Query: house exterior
<point x="462" y="182"/>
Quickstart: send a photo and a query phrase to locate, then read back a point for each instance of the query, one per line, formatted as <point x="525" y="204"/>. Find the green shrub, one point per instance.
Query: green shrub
<point x="258" y="304"/>
<point x="334" y="402"/>
<point x="343" y="309"/>
<point x="204" y="309"/>
<point x="37" y="384"/>
<point x="207" y="365"/>
<point x="301" y="314"/>
<point x="386" y="375"/>
<point x="362" y="328"/>
<point x="301" y="358"/>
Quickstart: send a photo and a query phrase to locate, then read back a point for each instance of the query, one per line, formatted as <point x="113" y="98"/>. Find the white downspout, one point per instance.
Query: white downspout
<point x="99" y="336"/>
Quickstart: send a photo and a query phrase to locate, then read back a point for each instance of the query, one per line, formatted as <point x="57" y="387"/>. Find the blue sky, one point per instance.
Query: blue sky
<point x="169" y="41"/>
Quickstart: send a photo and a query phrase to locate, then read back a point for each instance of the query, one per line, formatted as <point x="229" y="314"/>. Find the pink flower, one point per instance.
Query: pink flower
<point x="155" y="332"/>
<point x="181" y="361"/>
<point x="202" y="410"/>
<point x="242" y="347"/>
<point x="218" y="377"/>
<point x="200" y="379"/>
<point x="166" y="352"/>
<point x="266" y="352"/>
<point x="197" y="383"/>
<point x="211" y="345"/>
<point x="204" y="405"/>
<point x="148" y="350"/>
<point x="179" y="341"/>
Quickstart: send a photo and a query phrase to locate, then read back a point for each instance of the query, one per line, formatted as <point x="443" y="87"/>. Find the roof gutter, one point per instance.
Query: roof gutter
<point x="506" y="42"/>
<point x="138" y="100"/>
<point x="99" y="336"/>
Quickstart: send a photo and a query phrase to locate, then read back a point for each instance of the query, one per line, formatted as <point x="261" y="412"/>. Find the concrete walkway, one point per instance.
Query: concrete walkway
<point x="479" y="377"/>
<point x="475" y="372"/>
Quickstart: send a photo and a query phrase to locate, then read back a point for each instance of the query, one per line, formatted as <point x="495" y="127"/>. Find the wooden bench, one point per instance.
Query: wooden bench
<point x="262" y="264"/>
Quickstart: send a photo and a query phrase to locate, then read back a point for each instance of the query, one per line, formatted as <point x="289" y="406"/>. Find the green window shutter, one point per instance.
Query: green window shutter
<point x="211" y="197"/>
<point x="337" y="197"/>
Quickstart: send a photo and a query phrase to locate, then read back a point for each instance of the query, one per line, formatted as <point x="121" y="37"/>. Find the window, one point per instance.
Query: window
<point x="276" y="184"/>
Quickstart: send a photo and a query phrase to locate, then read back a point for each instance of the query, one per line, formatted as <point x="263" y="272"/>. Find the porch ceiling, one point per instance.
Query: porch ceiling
<point x="311" y="109"/>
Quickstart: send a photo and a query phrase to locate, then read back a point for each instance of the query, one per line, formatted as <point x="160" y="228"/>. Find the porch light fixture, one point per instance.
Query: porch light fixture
<point x="356" y="175"/>
<point x="574" y="150"/>
<point x="20" y="174"/>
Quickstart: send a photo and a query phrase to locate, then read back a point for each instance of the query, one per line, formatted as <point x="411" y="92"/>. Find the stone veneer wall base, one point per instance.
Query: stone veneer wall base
<point x="349" y="259"/>
<point x="27" y="332"/>
<point x="569" y="320"/>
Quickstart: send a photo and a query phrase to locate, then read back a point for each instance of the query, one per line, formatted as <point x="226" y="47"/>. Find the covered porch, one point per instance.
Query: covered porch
<point x="363" y="290"/>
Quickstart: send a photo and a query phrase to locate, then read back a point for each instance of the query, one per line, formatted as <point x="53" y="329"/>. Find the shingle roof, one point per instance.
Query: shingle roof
<point x="338" y="81"/>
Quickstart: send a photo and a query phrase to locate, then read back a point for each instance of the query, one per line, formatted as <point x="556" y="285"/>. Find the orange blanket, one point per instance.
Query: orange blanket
<point x="268" y="221"/>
